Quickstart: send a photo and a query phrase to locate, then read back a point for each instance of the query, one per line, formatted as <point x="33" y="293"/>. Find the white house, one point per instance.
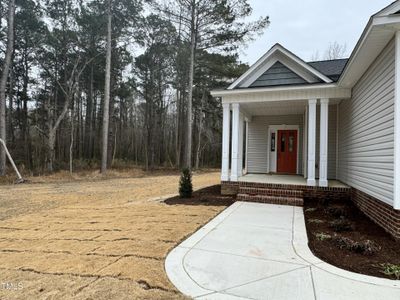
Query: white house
<point x="326" y="125"/>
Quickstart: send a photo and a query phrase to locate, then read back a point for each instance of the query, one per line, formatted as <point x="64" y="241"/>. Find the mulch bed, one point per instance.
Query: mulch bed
<point x="330" y="244"/>
<point x="207" y="196"/>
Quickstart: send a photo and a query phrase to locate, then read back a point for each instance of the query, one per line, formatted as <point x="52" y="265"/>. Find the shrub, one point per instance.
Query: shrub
<point x="185" y="184"/>
<point x="323" y="236"/>
<point x="315" y="221"/>
<point x="336" y="211"/>
<point x="366" y="247"/>
<point x="391" y="270"/>
<point x="341" y="225"/>
<point x="312" y="209"/>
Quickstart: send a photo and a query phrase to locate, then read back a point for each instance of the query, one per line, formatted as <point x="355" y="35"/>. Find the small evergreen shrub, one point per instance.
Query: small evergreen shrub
<point x="185" y="184"/>
<point x="323" y="236"/>
<point x="341" y="225"/>
<point x="366" y="247"/>
<point x="336" y="211"/>
<point x="315" y="221"/>
<point x="391" y="270"/>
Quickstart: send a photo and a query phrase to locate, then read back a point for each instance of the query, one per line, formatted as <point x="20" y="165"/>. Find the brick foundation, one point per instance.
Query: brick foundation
<point x="381" y="213"/>
<point x="309" y="192"/>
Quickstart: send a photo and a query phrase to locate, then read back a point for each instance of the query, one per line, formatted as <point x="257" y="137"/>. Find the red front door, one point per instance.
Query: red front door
<point x="287" y="151"/>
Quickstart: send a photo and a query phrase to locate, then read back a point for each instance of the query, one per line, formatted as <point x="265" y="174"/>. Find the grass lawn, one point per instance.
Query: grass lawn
<point x="100" y="239"/>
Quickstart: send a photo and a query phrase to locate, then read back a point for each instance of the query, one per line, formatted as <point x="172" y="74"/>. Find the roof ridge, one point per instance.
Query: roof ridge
<point x="326" y="60"/>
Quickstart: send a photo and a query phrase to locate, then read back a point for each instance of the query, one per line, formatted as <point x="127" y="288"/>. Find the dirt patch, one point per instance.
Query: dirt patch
<point x="207" y="196"/>
<point x="103" y="239"/>
<point x="340" y="234"/>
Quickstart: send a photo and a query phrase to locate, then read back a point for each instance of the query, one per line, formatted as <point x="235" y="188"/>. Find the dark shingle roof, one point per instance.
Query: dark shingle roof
<point x="331" y="68"/>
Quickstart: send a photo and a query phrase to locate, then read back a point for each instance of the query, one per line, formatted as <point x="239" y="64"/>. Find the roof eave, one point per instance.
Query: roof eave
<point x="390" y="24"/>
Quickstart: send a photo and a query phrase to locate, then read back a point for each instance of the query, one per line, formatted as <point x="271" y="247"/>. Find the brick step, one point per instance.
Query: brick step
<point x="294" y="201"/>
<point x="254" y="191"/>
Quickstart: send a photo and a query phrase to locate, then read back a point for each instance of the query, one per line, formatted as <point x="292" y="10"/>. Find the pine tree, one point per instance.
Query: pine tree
<point x="185" y="184"/>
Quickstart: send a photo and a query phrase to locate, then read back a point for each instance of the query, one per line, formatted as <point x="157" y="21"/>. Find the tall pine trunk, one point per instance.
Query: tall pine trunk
<point x="106" y="104"/>
<point x="3" y="83"/>
<point x="188" y="156"/>
<point x="200" y="130"/>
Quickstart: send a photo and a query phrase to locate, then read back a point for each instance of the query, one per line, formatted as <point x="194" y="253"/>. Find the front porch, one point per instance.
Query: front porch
<point x="281" y="137"/>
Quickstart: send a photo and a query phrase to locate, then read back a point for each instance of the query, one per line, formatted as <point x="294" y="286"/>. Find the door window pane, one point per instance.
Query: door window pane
<point x="283" y="143"/>
<point x="291" y="143"/>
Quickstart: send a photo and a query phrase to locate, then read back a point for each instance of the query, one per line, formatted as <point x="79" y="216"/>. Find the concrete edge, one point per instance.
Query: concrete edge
<point x="174" y="267"/>
<point x="300" y="245"/>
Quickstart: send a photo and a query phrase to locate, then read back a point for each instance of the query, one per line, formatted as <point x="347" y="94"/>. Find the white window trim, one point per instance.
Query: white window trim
<point x="277" y="128"/>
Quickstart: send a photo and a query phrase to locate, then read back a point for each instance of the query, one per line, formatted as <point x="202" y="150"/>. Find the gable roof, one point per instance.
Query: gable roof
<point x="331" y="68"/>
<point x="279" y="53"/>
<point x="278" y="74"/>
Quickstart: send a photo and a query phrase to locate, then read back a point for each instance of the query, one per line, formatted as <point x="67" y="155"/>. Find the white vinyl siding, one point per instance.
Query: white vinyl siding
<point x="258" y="140"/>
<point x="366" y="131"/>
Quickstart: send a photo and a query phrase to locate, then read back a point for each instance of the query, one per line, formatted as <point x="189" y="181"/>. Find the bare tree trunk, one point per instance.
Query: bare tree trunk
<point x="106" y="104"/>
<point x="10" y="133"/>
<point x="177" y="130"/>
<point x="188" y="156"/>
<point x="115" y="147"/>
<point x="71" y="146"/>
<point x="3" y="82"/>
<point x="198" y="150"/>
<point x="51" y="144"/>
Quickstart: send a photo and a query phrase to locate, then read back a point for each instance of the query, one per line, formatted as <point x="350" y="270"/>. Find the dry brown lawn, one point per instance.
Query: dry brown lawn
<point x="104" y="239"/>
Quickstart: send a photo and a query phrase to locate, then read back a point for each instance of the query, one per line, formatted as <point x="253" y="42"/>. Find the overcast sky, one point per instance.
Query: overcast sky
<point x="307" y="26"/>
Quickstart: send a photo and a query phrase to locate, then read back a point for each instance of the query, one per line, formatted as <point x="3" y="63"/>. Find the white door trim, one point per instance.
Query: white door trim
<point x="277" y="128"/>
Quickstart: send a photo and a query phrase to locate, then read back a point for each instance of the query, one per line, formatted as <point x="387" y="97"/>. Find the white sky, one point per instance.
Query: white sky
<point x="307" y="26"/>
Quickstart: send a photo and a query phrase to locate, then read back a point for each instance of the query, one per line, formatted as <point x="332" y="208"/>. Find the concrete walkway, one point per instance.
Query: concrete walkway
<point x="259" y="251"/>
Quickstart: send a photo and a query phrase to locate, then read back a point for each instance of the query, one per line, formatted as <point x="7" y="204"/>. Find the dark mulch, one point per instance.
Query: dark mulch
<point x="207" y="196"/>
<point x="363" y="229"/>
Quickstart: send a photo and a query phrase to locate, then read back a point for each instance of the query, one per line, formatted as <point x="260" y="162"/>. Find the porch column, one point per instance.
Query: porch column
<point x="235" y="142"/>
<point x="226" y="133"/>
<point x="312" y="122"/>
<point x="240" y="145"/>
<point x="323" y="147"/>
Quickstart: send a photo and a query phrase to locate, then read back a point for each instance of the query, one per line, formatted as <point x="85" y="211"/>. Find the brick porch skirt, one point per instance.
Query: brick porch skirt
<point x="309" y="192"/>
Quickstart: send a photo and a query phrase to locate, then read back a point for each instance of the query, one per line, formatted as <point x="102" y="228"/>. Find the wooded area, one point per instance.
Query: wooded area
<point x="125" y="80"/>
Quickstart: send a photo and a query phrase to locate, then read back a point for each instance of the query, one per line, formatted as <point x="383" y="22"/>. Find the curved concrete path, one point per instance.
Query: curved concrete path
<point x="260" y="251"/>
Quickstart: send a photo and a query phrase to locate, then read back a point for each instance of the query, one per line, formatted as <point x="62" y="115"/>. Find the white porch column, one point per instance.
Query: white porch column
<point x="241" y="145"/>
<point x="312" y="122"/>
<point x="226" y="133"/>
<point x="246" y="129"/>
<point x="323" y="146"/>
<point x="235" y="142"/>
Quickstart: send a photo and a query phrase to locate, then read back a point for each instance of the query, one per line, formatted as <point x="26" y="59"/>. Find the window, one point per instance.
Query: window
<point x="273" y="137"/>
<point x="283" y="143"/>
